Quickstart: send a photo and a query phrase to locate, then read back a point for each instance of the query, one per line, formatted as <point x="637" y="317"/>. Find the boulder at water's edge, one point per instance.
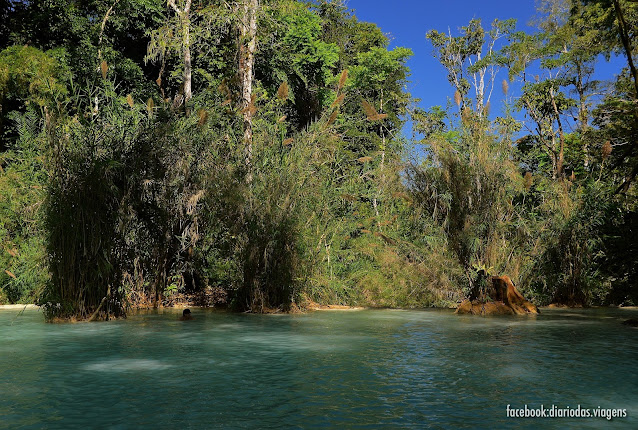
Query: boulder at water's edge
<point x="499" y="298"/>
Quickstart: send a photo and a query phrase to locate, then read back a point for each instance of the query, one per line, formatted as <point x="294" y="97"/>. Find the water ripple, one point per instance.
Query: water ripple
<point x="374" y="369"/>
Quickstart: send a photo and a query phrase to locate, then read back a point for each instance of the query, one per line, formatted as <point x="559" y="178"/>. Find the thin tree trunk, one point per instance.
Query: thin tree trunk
<point x="382" y="140"/>
<point x="550" y="147"/>
<point x="553" y="156"/>
<point x="187" y="54"/>
<point x="624" y="187"/>
<point x="106" y="18"/>
<point x="382" y="166"/>
<point x="583" y="115"/>
<point x="247" y="47"/>
<point x="561" y="137"/>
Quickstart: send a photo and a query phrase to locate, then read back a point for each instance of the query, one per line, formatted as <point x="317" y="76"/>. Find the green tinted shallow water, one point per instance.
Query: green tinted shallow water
<point x="376" y="369"/>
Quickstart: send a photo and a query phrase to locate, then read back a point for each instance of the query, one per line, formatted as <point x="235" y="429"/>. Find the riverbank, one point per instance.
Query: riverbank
<point x="313" y="306"/>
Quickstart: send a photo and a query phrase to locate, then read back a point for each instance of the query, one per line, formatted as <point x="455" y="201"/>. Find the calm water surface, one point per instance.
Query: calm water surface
<point x="373" y="368"/>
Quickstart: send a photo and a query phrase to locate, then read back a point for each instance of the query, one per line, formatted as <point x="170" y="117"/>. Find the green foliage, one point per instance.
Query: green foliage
<point x="295" y="53"/>
<point x="555" y="211"/>
<point x="78" y="27"/>
<point x="23" y="270"/>
<point x="431" y="122"/>
<point x="537" y="99"/>
<point x="342" y="28"/>
<point x="379" y="76"/>
<point x="29" y="76"/>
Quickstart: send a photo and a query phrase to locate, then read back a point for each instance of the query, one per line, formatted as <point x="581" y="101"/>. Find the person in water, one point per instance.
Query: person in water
<point x="186" y="315"/>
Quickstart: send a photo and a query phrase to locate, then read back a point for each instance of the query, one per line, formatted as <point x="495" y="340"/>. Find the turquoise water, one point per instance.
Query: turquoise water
<point x="373" y="368"/>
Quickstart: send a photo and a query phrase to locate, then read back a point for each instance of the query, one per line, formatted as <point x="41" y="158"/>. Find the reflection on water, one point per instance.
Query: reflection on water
<point x="381" y="369"/>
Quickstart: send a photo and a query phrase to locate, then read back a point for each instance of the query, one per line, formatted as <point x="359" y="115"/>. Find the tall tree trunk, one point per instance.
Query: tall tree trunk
<point x="624" y="37"/>
<point x="184" y="18"/>
<point x="247" y="47"/>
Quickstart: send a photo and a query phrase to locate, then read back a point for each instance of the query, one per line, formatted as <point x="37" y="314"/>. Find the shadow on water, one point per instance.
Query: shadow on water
<point x="375" y="368"/>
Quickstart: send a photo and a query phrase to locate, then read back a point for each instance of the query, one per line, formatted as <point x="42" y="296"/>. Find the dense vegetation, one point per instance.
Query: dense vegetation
<point x="254" y="151"/>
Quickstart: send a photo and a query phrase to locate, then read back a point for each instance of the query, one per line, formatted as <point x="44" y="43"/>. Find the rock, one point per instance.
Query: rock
<point x="633" y="322"/>
<point x="476" y="307"/>
<point x="500" y="297"/>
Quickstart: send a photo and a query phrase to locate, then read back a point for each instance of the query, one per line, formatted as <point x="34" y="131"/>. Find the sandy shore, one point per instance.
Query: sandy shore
<point x="18" y="307"/>
<point x="316" y="307"/>
<point x="555" y="307"/>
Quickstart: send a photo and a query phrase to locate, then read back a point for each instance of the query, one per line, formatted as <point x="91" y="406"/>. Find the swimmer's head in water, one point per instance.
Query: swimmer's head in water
<point x="186" y="312"/>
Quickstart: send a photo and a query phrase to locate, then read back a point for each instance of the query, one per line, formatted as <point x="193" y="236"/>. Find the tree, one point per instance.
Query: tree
<point x="570" y="46"/>
<point x="545" y="105"/>
<point x="471" y="60"/>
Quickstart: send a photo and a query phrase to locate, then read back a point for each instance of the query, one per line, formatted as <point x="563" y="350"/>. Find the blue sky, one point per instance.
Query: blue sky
<point x="407" y="22"/>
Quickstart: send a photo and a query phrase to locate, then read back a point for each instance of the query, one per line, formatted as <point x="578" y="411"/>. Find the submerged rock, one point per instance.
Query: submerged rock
<point x="500" y="297"/>
<point x="633" y="322"/>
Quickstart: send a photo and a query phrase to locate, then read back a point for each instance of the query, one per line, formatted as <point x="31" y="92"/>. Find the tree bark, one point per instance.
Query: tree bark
<point x="188" y="92"/>
<point x="247" y="47"/>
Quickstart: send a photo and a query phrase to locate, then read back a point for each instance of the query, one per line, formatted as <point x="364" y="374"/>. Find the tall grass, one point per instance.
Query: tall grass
<point x="471" y="189"/>
<point x="89" y="178"/>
